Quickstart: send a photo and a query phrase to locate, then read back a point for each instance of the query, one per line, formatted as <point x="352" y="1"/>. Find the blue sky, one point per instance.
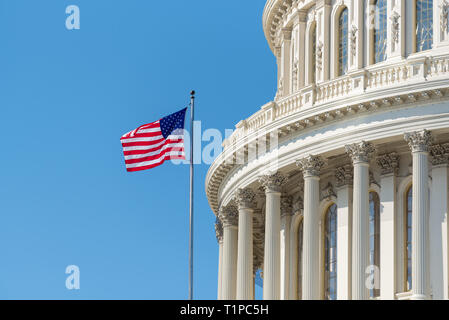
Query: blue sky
<point x="66" y="97"/>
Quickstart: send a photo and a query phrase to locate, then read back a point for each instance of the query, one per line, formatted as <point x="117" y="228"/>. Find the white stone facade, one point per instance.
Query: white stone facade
<point x="372" y="141"/>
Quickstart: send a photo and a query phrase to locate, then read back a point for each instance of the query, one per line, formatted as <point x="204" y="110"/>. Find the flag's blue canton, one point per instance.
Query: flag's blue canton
<point x="172" y="122"/>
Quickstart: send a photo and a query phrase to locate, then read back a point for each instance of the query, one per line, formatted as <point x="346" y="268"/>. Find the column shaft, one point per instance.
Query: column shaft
<point x="310" y="277"/>
<point x="245" y="255"/>
<point x="344" y="241"/>
<point x="229" y="262"/>
<point x="285" y="256"/>
<point x="220" y="269"/>
<point x="388" y="237"/>
<point x="271" y="271"/>
<point x="420" y="225"/>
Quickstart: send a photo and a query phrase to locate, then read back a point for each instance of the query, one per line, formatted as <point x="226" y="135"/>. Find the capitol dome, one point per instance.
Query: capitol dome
<point x="338" y="188"/>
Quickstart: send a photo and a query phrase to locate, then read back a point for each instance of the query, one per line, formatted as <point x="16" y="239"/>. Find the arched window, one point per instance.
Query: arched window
<point x="313" y="54"/>
<point x="380" y="31"/>
<point x="374" y="235"/>
<point x="408" y="239"/>
<point x="343" y="42"/>
<point x="330" y="253"/>
<point x="300" y="241"/>
<point x="424" y="25"/>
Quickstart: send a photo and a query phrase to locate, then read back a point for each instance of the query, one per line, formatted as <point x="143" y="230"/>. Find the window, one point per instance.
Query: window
<point x="330" y="253"/>
<point x="343" y="42"/>
<point x="300" y="241"/>
<point x="374" y="235"/>
<point x="424" y="25"/>
<point x="380" y="31"/>
<point x="408" y="239"/>
<point x="313" y="54"/>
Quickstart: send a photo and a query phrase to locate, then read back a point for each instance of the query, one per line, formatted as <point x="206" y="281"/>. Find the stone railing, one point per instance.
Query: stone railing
<point x="372" y="80"/>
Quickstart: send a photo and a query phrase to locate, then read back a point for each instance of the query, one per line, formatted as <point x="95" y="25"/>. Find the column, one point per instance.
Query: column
<point x="286" y="217"/>
<point x="419" y="143"/>
<point x="298" y="207"/>
<point x="301" y="40"/>
<point x="286" y="61"/>
<point x="219" y="235"/>
<point x="271" y="271"/>
<point x="440" y="23"/>
<point x="389" y="165"/>
<point x="229" y="217"/>
<point x="396" y="36"/>
<point x="438" y="222"/>
<point x="323" y="13"/>
<point x="311" y="167"/>
<point x="245" y="200"/>
<point x="344" y="177"/>
<point x="356" y="36"/>
<point x="360" y="154"/>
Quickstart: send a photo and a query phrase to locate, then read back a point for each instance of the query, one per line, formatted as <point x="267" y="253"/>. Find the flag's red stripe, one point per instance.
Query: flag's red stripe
<point x="142" y="143"/>
<point x="149" y="158"/>
<point x="143" y="135"/>
<point x="156" y="164"/>
<point x="150" y="149"/>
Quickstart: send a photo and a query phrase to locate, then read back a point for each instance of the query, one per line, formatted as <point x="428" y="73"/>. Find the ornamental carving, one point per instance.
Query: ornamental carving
<point x="295" y="75"/>
<point x="311" y="165"/>
<point x="353" y="38"/>
<point x="245" y="198"/>
<point x="444" y="13"/>
<point x="360" y="152"/>
<point x="328" y="193"/>
<point x="419" y="141"/>
<point x="229" y="215"/>
<point x="286" y="206"/>
<point x="395" y="25"/>
<point x="298" y="205"/>
<point x="439" y="154"/>
<point x="388" y="163"/>
<point x="344" y="175"/>
<point x="319" y="55"/>
<point x="273" y="182"/>
<point x="219" y="230"/>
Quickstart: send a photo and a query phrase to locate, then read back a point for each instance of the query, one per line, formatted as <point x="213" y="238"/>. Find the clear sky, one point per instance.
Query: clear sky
<point x="66" y="97"/>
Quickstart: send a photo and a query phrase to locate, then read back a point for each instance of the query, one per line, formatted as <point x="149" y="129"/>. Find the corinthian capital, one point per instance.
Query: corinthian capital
<point x="344" y="175"/>
<point x="440" y="154"/>
<point x="219" y="230"/>
<point x="229" y="215"/>
<point x="245" y="198"/>
<point x="360" y="152"/>
<point x="388" y="163"/>
<point x="286" y="206"/>
<point x="311" y="165"/>
<point x="273" y="181"/>
<point x="419" y="141"/>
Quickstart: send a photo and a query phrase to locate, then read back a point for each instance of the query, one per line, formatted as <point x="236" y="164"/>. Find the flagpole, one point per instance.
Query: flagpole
<point x="192" y="116"/>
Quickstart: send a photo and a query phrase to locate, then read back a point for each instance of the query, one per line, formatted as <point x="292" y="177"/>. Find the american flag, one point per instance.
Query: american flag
<point x="150" y="145"/>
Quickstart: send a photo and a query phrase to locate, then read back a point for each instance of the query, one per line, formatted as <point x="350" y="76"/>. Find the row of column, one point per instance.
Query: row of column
<point x="235" y="231"/>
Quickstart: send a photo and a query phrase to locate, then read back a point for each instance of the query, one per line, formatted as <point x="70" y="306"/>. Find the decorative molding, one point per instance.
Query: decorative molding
<point x="319" y="55"/>
<point x="311" y="165"/>
<point x="419" y="141"/>
<point x="439" y="154"/>
<point x="360" y="152"/>
<point x="395" y="25"/>
<point x="327" y="193"/>
<point x="286" y="206"/>
<point x="219" y="230"/>
<point x="444" y="15"/>
<point x="298" y="205"/>
<point x="388" y="163"/>
<point x="273" y="182"/>
<point x="353" y="39"/>
<point x="344" y="175"/>
<point x="245" y="198"/>
<point x="229" y="215"/>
